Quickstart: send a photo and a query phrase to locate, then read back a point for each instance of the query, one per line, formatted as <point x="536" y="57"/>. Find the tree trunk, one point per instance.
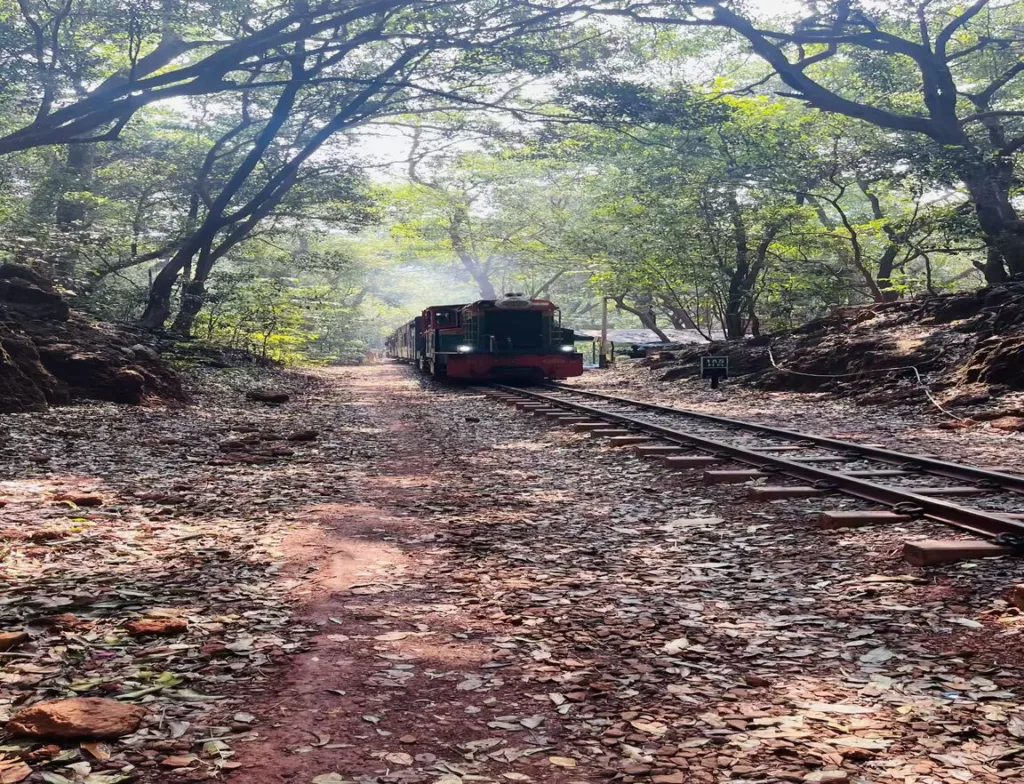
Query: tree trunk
<point x="192" y="299"/>
<point x="993" y="269"/>
<point x="1000" y="224"/>
<point x="646" y="316"/>
<point x="737" y="302"/>
<point x="158" y="305"/>
<point x="456" y="222"/>
<point x="71" y="213"/>
<point x="755" y="322"/>
<point x="886" y="265"/>
<point x="680" y="318"/>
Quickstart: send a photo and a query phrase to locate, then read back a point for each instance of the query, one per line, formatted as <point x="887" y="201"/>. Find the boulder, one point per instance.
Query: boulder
<point x="79" y="718"/>
<point x="17" y="390"/>
<point x="999" y="360"/>
<point x="267" y="396"/>
<point x="148" y="352"/>
<point x="22" y="352"/>
<point x="27" y="294"/>
<point x="306" y="435"/>
<point x="51" y="355"/>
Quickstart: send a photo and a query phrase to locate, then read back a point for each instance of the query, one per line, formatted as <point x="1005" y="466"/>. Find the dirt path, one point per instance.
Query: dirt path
<point x="528" y="607"/>
<point x="439" y="589"/>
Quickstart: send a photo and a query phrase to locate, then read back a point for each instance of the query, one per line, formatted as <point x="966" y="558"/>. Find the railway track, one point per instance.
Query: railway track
<point x="985" y="502"/>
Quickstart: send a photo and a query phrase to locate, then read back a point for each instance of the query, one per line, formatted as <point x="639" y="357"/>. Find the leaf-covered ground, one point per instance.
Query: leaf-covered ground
<point x="439" y="589"/>
<point x="917" y="426"/>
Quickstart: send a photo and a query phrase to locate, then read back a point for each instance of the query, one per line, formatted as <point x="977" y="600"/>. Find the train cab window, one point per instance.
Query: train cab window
<point x="445" y="319"/>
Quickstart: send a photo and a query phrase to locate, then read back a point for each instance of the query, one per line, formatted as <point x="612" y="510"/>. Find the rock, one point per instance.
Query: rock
<point x="78" y="718"/>
<point x="29" y="295"/>
<point x="828" y="776"/>
<point x="81" y="499"/>
<point x="1012" y="424"/>
<point x="9" y="640"/>
<point x="128" y="386"/>
<point x="90" y="363"/>
<point x="999" y="361"/>
<point x="756" y="681"/>
<point x="670" y="778"/>
<point x="25" y="385"/>
<point x="267" y="396"/>
<point x="50" y="354"/>
<point x="156" y="626"/>
<point x="146" y="351"/>
<point x="304" y="435"/>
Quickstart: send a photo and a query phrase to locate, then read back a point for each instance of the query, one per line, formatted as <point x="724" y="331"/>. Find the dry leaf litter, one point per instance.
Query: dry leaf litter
<point x="421" y="585"/>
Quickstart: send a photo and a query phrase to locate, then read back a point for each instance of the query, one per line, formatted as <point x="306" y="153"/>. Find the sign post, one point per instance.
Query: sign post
<point x="603" y="360"/>
<point x="715" y="368"/>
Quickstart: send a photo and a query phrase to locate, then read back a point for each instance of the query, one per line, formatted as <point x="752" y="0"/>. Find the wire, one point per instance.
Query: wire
<point x="917" y="375"/>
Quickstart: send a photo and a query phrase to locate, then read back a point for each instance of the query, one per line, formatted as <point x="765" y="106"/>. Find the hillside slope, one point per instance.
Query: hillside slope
<point x="53" y="355"/>
<point x="966" y="348"/>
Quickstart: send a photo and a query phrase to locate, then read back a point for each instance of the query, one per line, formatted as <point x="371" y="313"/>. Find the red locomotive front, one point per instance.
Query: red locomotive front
<point x="512" y="338"/>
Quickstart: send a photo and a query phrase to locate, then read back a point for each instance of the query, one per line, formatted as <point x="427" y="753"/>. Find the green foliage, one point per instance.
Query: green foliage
<point x="659" y="165"/>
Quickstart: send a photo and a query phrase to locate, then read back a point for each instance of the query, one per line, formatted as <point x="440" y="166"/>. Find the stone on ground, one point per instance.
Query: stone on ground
<point x="79" y="718"/>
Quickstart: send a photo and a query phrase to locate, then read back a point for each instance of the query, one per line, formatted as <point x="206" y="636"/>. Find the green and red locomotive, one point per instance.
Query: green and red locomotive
<point x="511" y="338"/>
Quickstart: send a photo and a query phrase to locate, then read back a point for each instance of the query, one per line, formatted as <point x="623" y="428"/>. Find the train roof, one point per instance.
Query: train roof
<point x="488" y="303"/>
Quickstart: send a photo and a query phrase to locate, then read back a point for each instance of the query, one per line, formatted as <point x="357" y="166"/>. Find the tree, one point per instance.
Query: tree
<point x="935" y="69"/>
<point x="498" y="213"/>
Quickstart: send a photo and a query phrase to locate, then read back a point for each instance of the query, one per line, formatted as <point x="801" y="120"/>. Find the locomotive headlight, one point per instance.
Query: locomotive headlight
<point x="464" y="349"/>
<point x="568" y="348"/>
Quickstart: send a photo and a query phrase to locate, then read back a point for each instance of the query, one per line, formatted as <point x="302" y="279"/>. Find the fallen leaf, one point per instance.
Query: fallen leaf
<point x="877" y="656"/>
<point x="399" y="758"/>
<point x="562" y="762"/>
<point x="100" y="751"/>
<point x="14" y="771"/>
<point x="677" y="645"/>
<point x="650" y="727"/>
<point x="392" y="636"/>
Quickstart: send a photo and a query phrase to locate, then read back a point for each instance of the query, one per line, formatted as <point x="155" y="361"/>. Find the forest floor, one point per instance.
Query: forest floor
<point x="438" y="589"/>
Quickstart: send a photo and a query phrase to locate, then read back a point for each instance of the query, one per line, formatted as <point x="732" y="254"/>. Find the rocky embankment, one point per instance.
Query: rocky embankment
<point x="53" y="355"/>
<point x="968" y="348"/>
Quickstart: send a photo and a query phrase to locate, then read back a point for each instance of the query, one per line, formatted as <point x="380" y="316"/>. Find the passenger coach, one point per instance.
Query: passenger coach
<point x="512" y="338"/>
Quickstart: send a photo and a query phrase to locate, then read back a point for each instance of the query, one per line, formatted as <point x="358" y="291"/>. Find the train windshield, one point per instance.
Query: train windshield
<point x="515" y="330"/>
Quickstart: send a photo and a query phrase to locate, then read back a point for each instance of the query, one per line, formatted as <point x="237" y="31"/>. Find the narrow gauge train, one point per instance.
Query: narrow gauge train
<point x="511" y="338"/>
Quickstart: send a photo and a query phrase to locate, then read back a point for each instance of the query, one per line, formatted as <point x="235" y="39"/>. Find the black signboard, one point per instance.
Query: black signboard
<point x="715" y="368"/>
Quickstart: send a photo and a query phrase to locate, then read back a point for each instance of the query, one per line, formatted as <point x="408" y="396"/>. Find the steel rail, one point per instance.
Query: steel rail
<point x="931" y="465"/>
<point x="973" y="520"/>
